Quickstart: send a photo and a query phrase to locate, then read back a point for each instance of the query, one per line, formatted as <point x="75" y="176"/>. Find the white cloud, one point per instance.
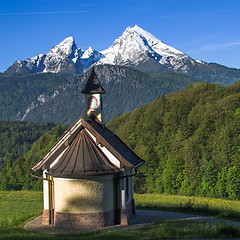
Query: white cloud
<point x="37" y="13"/>
<point x="214" y="47"/>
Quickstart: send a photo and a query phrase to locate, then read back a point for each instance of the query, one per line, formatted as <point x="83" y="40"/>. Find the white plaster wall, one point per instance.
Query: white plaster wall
<point x="45" y="192"/>
<point x="84" y="195"/>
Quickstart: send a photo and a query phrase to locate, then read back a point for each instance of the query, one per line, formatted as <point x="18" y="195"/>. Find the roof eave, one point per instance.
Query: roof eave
<point x="58" y="147"/>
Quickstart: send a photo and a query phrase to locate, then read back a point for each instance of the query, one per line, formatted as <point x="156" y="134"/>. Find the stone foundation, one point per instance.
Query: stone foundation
<point x="84" y="221"/>
<point x="124" y="217"/>
<point x="133" y="207"/>
<point x="45" y="217"/>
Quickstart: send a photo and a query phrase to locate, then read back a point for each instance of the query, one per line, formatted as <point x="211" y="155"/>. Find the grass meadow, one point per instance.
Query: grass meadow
<point x="17" y="208"/>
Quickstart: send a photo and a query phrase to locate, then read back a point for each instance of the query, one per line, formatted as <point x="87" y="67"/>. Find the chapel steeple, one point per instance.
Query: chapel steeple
<point x="93" y="91"/>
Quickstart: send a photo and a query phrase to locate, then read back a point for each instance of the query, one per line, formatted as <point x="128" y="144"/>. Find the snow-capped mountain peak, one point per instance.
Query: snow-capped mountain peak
<point x="133" y="48"/>
<point x="65" y="48"/>
<point x="137" y="45"/>
<point x="156" y="44"/>
<point x="87" y="53"/>
<point x="64" y="57"/>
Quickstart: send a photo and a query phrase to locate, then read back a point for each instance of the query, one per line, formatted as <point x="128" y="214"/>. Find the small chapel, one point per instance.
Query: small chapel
<point x="88" y="175"/>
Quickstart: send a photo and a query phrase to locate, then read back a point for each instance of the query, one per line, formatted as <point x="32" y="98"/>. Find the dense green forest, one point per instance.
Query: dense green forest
<point x="190" y="141"/>
<point x="16" y="175"/>
<point x="16" y="138"/>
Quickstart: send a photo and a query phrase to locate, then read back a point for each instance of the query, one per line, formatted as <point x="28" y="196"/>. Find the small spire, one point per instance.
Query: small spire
<point x="93" y="85"/>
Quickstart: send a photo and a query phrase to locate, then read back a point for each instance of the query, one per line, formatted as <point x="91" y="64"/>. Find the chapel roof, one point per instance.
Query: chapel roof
<point x="93" y="85"/>
<point x="82" y="158"/>
<point x="104" y="137"/>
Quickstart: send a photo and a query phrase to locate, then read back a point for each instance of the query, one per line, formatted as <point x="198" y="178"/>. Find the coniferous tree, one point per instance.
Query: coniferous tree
<point x="209" y="180"/>
<point x="233" y="182"/>
<point x="221" y="184"/>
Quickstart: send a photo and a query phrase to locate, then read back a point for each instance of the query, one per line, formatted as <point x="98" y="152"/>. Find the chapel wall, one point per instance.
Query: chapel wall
<point x="84" y="195"/>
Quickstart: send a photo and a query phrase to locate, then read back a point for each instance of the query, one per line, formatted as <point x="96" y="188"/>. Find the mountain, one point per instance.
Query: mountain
<point x="135" y="70"/>
<point x="136" y="48"/>
<point x="62" y="58"/>
<point x="57" y="97"/>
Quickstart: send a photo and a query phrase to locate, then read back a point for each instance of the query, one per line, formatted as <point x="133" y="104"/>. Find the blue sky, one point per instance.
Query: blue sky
<point x="207" y="30"/>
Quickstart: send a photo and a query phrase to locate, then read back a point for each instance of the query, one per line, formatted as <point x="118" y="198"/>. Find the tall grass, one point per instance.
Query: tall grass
<point x="18" y="207"/>
<point x="210" y="206"/>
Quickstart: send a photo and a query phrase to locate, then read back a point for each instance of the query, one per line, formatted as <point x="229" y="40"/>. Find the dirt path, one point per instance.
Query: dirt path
<point x="143" y="217"/>
<point x="150" y="216"/>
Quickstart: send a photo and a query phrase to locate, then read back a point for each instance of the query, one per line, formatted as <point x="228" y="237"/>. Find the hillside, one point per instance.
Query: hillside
<point x="16" y="138"/>
<point x="56" y="97"/>
<point x="190" y="141"/>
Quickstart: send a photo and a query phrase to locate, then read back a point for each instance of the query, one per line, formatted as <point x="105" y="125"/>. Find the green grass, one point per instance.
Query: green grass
<point x="16" y="208"/>
<point x="209" y="206"/>
<point x="179" y="228"/>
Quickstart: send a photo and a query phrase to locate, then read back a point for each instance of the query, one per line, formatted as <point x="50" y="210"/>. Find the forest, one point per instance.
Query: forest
<point x="16" y="138"/>
<point x="190" y="141"/>
<point x="15" y="175"/>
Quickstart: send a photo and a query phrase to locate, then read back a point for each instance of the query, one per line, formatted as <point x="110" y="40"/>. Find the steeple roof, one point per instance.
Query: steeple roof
<point x="93" y="85"/>
<point x="82" y="158"/>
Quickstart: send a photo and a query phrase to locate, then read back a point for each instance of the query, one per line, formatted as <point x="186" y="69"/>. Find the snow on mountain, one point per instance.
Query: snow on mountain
<point x="60" y="58"/>
<point x="64" y="57"/>
<point x="135" y="46"/>
<point x="87" y="53"/>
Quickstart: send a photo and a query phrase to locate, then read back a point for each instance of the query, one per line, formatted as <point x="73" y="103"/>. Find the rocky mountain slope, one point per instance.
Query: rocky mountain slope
<point x="52" y="97"/>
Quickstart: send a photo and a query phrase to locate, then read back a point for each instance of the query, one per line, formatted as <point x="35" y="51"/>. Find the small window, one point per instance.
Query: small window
<point x="92" y="103"/>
